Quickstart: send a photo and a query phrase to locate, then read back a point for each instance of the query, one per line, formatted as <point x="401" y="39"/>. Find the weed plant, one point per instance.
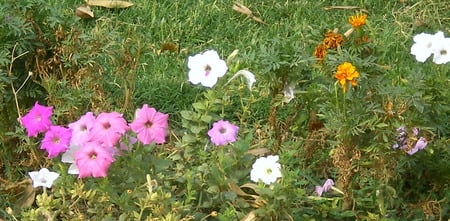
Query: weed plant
<point x="126" y="57"/>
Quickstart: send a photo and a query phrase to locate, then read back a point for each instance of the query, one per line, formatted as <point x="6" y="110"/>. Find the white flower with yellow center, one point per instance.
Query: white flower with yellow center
<point x="267" y="169"/>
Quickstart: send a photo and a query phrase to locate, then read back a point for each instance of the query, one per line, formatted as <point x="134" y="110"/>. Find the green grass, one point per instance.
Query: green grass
<point x="115" y="62"/>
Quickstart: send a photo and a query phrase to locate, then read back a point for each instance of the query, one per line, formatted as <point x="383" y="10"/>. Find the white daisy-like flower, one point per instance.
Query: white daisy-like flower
<point x="267" y="169"/>
<point x="206" y="68"/>
<point x="425" y="45"/>
<point x="43" y="177"/>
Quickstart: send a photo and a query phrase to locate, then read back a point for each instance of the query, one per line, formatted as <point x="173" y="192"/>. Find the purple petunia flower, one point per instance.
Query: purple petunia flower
<point x="325" y="188"/>
<point x="223" y="132"/>
<point x="420" y="144"/>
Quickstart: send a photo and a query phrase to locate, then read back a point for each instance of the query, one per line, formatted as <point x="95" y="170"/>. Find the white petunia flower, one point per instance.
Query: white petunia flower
<point x="441" y="51"/>
<point x="43" y="178"/>
<point x="267" y="169"/>
<point x="288" y="93"/>
<point x="69" y="157"/>
<point x="249" y="76"/>
<point x="206" y="68"/>
<point x="425" y="45"/>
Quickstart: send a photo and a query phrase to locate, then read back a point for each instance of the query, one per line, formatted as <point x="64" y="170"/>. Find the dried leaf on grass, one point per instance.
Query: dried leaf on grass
<point x="258" y="151"/>
<point x="84" y="12"/>
<point x="246" y="11"/>
<point x="250" y="217"/>
<point x="109" y="3"/>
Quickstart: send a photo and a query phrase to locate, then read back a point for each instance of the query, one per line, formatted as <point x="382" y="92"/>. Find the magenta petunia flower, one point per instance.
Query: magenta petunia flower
<point x="93" y="160"/>
<point x="81" y="129"/>
<point x="223" y="132"/>
<point x="56" y="140"/>
<point x="37" y="120"/>
<point x="108" y="128"/>
<point x="150" y="125"/>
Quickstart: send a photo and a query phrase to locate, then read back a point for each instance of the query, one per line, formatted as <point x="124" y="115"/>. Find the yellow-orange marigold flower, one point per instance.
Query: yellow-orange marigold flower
<point x="346" y="72"/>
<point x="357" y="20"/>
<point x="332" y="40"/>
<point x="320" y="52"/>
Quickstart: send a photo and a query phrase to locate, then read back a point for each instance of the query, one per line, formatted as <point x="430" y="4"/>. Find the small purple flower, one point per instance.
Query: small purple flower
<point x="327" y="185"/>
<point x="405" y="141"/>
<point x="401" y="138"/>
<point x="325" y="188"/>
<point x="318" y="190"/>
<point x="420" y="144"/>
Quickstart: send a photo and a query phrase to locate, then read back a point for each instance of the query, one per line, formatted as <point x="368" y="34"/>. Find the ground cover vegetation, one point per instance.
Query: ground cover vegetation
<point x="222" y="110"/>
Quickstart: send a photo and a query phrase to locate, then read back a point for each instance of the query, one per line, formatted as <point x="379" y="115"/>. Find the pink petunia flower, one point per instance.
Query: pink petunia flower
<point x="108" y="128"/>
<point x="37" y="120"/>
<point x="81" y="129"/>
<point x="223" y="132"/>
<point x="150" y="125"/>
<point x="93" y="160"/>
<point x="56" y="140"/>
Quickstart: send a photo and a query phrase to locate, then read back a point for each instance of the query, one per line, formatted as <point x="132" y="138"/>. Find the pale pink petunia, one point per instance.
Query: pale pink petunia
<point x="37" y="120"/>
<point x="108" y="128"/>
<point x="81" y="129"/>
<point x="150" y="125"/>
<point x="56" y="140"/>
<point x="223" y="132"/>
<point x="93" y="160"/>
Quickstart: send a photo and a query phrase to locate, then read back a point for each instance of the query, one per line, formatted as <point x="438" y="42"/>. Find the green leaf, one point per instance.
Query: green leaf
<point x="199" y="106"/>
<point x="206" y="118"/>
<point x="186" y="114"/>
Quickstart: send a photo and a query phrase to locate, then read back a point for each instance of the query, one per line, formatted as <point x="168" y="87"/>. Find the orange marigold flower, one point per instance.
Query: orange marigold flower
<point x="332" y="40"/>
<point x="357" y="20"/>
<point x="346" y="72"/>
<point x="320" y="52"/>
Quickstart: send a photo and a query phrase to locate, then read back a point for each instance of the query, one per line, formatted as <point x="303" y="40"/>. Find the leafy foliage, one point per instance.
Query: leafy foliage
<point x="126" y="57"/>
